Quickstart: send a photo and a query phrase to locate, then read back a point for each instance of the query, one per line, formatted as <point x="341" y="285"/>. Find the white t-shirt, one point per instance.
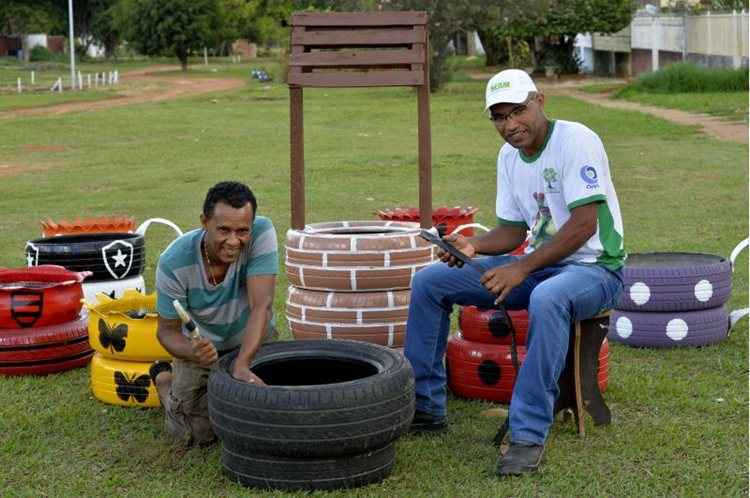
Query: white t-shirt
<point x="571" y="169"/>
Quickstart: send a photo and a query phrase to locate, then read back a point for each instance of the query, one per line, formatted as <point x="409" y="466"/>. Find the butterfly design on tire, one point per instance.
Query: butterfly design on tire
<point x="113" y="338"/>
<point x="135" y="386"/>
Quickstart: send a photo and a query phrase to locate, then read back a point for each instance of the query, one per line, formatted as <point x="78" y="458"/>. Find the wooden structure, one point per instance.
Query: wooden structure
<point x="338" y="50"/>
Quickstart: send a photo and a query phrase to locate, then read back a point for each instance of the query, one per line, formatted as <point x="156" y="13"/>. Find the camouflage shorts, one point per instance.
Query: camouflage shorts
<point x="186" y="406"/>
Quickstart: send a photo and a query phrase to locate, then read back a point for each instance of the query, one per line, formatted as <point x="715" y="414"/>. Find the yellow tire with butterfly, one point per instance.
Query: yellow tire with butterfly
<point x="124" y="383"/>
<point x="125" y="328"/>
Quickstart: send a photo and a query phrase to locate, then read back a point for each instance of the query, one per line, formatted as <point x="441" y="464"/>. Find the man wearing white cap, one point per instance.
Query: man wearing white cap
<point x="554" y="190"/>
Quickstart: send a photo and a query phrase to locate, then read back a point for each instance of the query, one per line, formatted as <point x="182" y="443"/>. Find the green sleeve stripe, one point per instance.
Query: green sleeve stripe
<point x="501" y="221"/>
<point x="613" y="256"/>
<point x="587" y="200"/>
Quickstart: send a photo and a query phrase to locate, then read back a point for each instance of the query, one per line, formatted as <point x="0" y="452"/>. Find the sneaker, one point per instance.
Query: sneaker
<point x="426" y="422"/>
<point x="521" y="458"/>
<point x="158" y="367"/>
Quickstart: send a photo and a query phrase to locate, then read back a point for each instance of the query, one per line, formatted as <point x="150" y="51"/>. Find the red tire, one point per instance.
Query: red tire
<point x="45" y="350"/>
<point x="38" y="297"/>
<point x="52" y="334"/>
<point x="485" y="371"/>
<point x="48" y="367"/>
<point x="474" y="325"/>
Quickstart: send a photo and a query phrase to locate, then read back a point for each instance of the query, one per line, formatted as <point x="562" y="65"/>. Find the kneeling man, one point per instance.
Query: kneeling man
<point x="224" y="275"/>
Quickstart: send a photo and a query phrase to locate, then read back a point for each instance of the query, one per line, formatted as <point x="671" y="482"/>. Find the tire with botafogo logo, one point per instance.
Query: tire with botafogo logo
<point x="42" y="327"/>
<point x="352" y="279"/>
<point x="116" y="260"/>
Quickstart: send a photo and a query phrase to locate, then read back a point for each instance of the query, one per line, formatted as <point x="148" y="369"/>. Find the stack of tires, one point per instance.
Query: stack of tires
<point x="116" y="260"/>
<point x="673" y="299"/>
<point x="42" y="328"/>
<point x="123" y="333"/>
<point x="352" y="279"/>
<point x="327" y="418"/>
<point x="479" y="356"/>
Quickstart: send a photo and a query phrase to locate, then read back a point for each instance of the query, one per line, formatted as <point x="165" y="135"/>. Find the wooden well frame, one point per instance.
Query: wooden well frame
<point x="370" y="49"/>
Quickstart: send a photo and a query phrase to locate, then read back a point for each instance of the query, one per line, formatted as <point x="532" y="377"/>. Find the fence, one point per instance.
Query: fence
<point x="710" y="40"/>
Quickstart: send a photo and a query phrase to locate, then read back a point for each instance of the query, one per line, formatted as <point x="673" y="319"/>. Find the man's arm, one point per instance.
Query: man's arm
<point x="200" y="351"/>
<point x="260" y="292"/>
<point x="572" y="235"/>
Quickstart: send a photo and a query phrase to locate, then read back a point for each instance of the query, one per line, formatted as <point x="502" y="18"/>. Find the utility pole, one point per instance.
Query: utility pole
<point x="72" y="45"/>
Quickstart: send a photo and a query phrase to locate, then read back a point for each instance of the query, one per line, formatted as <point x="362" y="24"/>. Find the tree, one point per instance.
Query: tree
<point x="157" y="27"/>
<point x="31" y="16"/>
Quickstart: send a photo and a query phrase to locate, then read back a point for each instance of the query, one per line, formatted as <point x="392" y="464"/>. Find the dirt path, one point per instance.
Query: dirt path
<point x="711" y="125"/>
<point x="168" y="87"/>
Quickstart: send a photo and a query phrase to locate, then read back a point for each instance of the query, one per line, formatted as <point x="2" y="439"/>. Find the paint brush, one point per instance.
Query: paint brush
<point x="190" y="324"/>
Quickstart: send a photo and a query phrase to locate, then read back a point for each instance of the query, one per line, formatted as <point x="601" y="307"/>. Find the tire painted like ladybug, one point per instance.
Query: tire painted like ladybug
<point x="474" y="324"/>
<point x="125" y="328"/>
<point x="45" y="350"/>
<point x="124" y="383"/>
<point x="40" y="296"/>
<point x="485" y="371"/>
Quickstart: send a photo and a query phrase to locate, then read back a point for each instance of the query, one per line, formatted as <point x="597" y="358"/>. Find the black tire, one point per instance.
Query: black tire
<point x="308" y="473"/>
<point x="125" y="254"/>
<point x="323" y="398"/>
<point x="675" y="282"/>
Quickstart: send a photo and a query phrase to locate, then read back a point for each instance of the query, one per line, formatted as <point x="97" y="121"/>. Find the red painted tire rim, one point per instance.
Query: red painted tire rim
<point x="39" y="296"/>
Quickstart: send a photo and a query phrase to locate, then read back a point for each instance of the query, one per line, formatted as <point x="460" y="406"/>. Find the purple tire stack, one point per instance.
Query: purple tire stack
<point x="673" y="299"/>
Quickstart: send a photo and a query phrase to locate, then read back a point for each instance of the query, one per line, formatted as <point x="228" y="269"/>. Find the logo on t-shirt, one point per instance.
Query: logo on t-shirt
<point x="550" y="177"/>
<point x="589" y="175"/>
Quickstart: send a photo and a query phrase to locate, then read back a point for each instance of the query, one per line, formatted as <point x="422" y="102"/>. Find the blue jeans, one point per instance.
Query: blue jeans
<point x="554" y="296"/>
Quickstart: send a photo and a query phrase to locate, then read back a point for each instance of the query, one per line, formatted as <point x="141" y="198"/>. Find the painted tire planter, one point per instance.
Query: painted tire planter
<point x="323" y="399"/>
<point x="675" y="282"/>
<point x="356" y="255"/>
<point x="378" y="317"/>
<point x="114" y="289"/>
<point x="474" y="324"/>
<point x="308" y="473"/>
<point x="101" y="224"/>
<point x="485" y="371"/>
<point x="683" y="328"/>
<point x="45" y="350"/>
<point x="109" y="256"/>
<point x="41" y="296"/>
<point x="125" y="328"/>
<point x="124" y="383"/>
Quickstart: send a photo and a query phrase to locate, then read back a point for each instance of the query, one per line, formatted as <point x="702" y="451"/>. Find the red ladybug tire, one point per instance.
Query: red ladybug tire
<point x="474" y="325"/>
<point x="485" y="371"/>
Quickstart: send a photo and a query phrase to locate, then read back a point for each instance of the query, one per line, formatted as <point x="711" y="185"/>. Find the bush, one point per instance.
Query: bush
<point x="686" y="77"/>
<point x="39" y="54"/>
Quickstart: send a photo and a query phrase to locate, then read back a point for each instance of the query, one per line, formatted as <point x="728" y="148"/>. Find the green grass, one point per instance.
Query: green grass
<point x="678" y="191"/>
<point x="687" y="77"/>
<point x="600" y="87"/>
<point x="730" y="105"/>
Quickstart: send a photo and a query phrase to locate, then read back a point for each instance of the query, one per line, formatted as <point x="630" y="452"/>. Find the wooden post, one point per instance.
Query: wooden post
<point x="425" y="147"/>
<point x="354" y="49"/>
<point x="297" y="164"/>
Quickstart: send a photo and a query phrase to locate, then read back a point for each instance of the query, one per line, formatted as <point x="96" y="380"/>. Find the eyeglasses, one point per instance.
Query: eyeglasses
<point x="516" y="112"/>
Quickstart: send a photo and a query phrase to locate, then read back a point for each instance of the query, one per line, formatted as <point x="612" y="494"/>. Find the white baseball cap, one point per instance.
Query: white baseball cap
<point x="511" y="86"/>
